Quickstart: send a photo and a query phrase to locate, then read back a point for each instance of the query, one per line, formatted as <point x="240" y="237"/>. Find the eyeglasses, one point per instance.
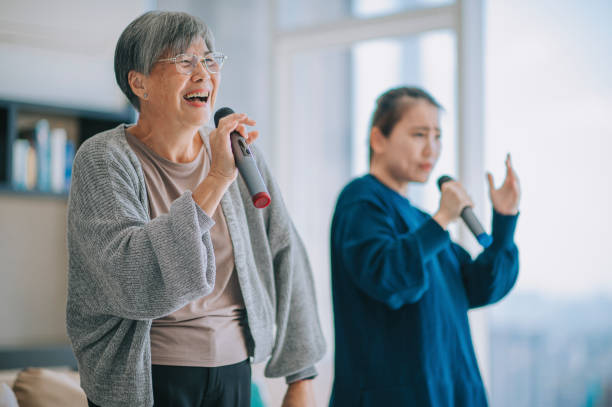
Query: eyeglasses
<point x="186" y="64"/>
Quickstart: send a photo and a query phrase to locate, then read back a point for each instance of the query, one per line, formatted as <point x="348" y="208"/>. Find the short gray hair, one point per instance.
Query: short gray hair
<point x="151" y="36"/>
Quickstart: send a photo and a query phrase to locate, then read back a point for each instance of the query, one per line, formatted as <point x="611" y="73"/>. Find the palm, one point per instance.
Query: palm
<point x="506" y="198"/>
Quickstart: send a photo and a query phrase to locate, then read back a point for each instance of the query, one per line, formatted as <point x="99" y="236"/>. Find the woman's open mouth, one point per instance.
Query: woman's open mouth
<point x="197" y="98"/>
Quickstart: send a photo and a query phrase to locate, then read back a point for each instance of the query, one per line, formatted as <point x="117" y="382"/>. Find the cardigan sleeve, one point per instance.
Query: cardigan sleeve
<point x="489" y="277"/>
<point x="386" y="266"/>
<point x="123" y="263"/>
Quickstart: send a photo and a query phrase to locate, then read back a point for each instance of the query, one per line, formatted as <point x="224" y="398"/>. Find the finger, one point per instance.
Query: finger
<point x="241" y="128"/>
<point x="447" y="184"/>
<point x="509" y="169"/>
<point x="233" y="116"/>
<point x="227" y="121"/>
<point x="236" y="122"/>
<point x="248" y="121"/>
<point x="460" y="189"/>
<point x="252" y="136"/>
<point x="227" y="127"/>
<point x="241" y="117"/>
<point x="491" y="183"/>
<point x="465" y="197"/>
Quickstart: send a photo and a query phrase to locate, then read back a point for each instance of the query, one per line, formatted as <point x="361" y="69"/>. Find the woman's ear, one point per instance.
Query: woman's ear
<point x="137" y="84"/>
<point x="377" y="140"/>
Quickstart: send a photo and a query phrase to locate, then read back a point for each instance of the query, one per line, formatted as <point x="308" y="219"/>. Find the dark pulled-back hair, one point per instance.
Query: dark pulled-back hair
<point x="391" y="106"/>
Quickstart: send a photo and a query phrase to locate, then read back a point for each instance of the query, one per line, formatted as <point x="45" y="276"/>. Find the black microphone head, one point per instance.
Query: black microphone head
<point x="221" y="113"/>
<point x="442" y="180"/>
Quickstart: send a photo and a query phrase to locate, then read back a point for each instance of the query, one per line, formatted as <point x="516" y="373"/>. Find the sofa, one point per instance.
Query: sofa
<point x="48" y="377"/>
<point x="42" y="376"/>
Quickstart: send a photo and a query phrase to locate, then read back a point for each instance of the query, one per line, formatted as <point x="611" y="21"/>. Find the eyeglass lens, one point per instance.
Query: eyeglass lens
<point x="187" y="63"/>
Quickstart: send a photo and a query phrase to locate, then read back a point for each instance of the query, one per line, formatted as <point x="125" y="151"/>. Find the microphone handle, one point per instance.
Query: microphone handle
<point x="471" y="221"/>
<point x="247" y="167"/>
<point x="467" y="214"/>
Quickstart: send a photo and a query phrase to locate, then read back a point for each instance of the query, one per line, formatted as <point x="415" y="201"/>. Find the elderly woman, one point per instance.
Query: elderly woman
<point x="176" y="282"/>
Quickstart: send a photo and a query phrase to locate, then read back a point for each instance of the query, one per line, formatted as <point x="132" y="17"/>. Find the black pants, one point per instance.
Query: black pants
<point x="180" y="386"/>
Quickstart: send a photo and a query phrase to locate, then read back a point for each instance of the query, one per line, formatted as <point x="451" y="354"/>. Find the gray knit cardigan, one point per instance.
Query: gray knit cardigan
<point x="126" y="270"/>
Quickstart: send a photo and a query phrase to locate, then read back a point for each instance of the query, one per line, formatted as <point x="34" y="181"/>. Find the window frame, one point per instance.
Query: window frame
<point x="466" y="19"/>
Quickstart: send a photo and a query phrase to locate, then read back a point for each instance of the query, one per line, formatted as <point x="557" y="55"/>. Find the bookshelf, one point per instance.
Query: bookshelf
<point x="18" y="121"/>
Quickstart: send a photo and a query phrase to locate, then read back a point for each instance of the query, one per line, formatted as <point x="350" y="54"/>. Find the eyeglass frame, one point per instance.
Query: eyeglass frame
<point x="200" y="59"/>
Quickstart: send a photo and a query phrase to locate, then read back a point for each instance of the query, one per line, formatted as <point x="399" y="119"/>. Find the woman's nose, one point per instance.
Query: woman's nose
<point x="431" y="146"/>
<point x="200" y="73"/>
<point x="428" y="149"/>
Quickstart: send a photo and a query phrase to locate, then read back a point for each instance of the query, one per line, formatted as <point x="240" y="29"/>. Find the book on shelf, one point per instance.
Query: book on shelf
<point x="43" y="154"/>
<point x="24" y="167"/>
<point x="42" y="159"/>
<point x="70" y="150"/>
<point x="57" y="164"/>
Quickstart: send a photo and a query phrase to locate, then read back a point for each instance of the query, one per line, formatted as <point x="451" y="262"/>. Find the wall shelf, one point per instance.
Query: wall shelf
<point x="80" y="124"/>
<point x="7" y="189"/>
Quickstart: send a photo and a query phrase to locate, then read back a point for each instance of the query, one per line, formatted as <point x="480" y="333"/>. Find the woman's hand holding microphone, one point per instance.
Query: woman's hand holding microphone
<point x="454" y="197"/>
<point x="222" y="167"/>
<point x="452" y="201"/>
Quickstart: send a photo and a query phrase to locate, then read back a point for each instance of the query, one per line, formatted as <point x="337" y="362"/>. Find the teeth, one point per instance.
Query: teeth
<point x="197" y="94"/>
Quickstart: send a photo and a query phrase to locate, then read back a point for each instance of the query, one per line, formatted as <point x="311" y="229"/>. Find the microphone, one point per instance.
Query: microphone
<point x="246" y="164"/>
<point x="467" y="214"/>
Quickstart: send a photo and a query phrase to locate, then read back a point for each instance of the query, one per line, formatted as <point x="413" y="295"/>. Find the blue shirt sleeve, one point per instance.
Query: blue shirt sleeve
<point x="385" y="265"/>
<point x="493" y="274"/>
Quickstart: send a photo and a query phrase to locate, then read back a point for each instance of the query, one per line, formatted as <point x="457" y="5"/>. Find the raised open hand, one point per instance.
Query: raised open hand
<point x="506" y="198"/>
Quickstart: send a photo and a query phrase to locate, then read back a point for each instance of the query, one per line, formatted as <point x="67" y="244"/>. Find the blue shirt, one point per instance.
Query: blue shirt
<point x="401" y="292"/>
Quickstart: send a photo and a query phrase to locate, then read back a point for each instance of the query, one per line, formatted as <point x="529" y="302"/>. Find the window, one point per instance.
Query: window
<point x="294" y="14"/>
<point x="548" y="91"/>
<point x="327" y="79"/>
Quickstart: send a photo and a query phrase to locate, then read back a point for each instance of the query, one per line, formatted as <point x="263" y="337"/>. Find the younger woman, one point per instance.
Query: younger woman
<point x="401" y="287"/>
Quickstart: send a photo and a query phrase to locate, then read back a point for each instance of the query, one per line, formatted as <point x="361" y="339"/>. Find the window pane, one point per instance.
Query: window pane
<point x="301" y="13"/>
<point x="375" y="8"/>
<point x="293" y="14"/>
<point x="549" y="94"/>
<point x="320" y="156"/>
<point x="331" y="96"/>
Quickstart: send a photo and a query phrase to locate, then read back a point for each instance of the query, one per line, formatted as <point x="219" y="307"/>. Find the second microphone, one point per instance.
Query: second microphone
<point x="471" y="221"/>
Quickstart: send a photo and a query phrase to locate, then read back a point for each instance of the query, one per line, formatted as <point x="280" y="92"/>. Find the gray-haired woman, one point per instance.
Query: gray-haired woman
<point x="176" y="282"/>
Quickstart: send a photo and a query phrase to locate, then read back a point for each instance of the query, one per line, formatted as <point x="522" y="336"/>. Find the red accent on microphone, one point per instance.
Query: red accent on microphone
<point x="261" y="200"/>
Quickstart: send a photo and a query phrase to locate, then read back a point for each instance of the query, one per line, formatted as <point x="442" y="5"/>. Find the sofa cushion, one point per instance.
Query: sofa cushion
<point x="9" y="376"/>
<point x="36" y="387"/>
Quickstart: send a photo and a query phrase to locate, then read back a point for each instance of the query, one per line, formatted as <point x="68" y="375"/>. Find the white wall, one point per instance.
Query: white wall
<point x="34" y="271"/>
<point x="58" y="53"/>
<point x="61" y="52"/>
